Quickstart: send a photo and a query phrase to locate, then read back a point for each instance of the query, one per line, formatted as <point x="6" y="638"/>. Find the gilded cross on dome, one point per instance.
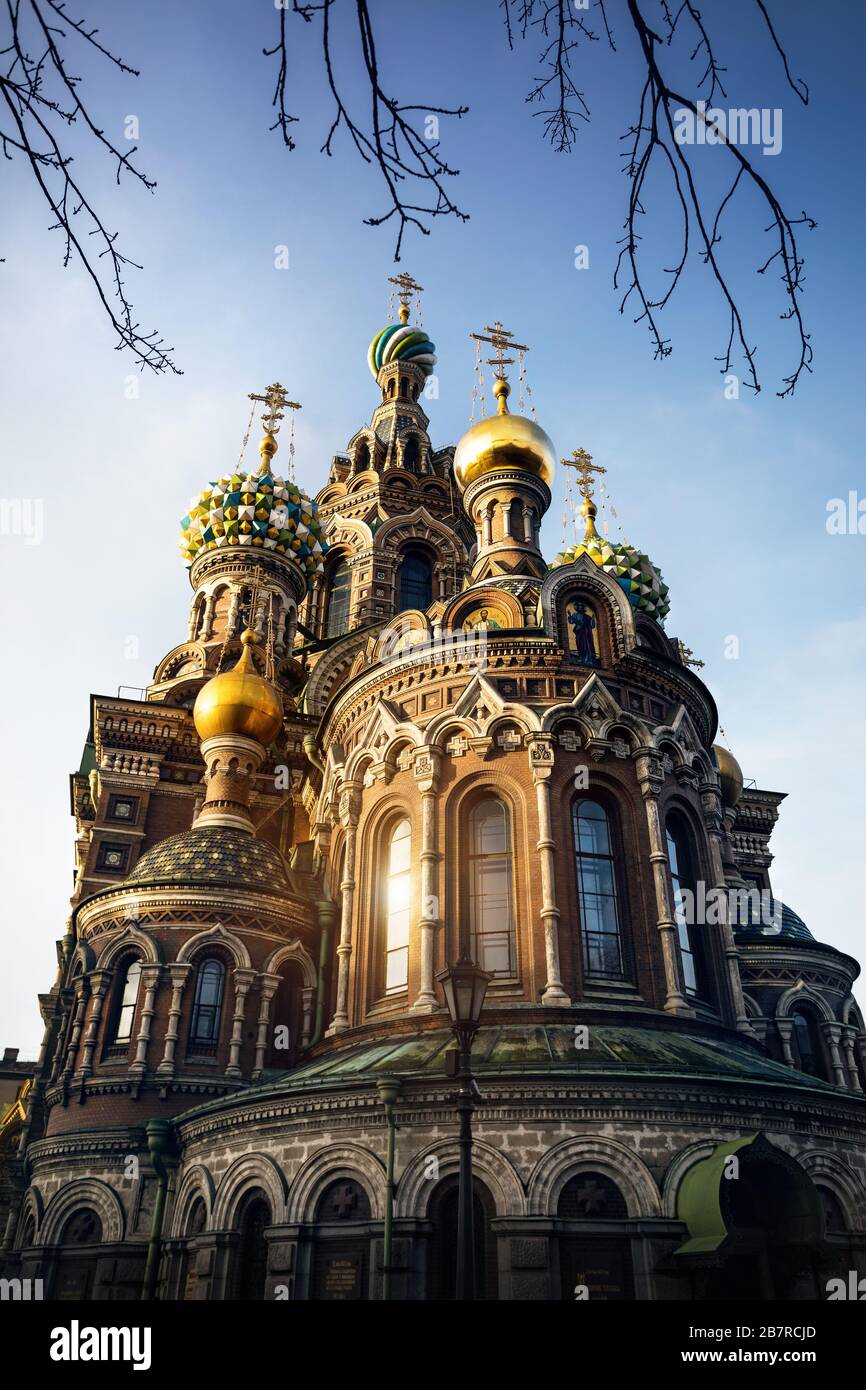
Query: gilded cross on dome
<point x="277" y="403"/>
<point x="406" y="287"/>
<point x="502" y="342"/>
<point x="584" y="467"/>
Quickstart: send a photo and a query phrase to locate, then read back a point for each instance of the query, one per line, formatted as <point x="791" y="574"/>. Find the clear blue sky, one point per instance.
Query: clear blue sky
<point x="728" y="497"/>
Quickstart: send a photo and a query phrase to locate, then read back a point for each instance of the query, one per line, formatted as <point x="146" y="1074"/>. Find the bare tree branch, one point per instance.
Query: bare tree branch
<point x="41" y="97"/>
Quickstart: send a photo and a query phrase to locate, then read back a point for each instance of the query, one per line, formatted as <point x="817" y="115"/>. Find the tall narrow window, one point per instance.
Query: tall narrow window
<point x="491" y="893"/>
<point x="684" y="885"/>
<point x="398" y="889"/>
<point x="416" y="580"/>
<point x="207" y="1005"/>
<point x="805" y="1044"/>
<point x="338" y="599"/>
<point x="126" y="1003"/>
<point x="600" y="924"/>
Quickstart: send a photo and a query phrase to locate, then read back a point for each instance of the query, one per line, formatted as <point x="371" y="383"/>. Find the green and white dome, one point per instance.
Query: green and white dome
<point x="400" y="342"/>
<point x="632" y="570"/>
<point x="260" y="510"/>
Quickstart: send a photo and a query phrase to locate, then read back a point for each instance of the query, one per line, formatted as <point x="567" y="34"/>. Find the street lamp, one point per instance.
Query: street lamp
<point x="465" y="986"/>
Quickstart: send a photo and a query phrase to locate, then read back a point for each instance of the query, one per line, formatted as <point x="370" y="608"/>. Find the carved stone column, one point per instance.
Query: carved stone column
<point x="242" y="980"/>
<point x="527" y="524"/>
<point x="505" y="509"/>
<point x="99" y="982"/>
<point x="487" y="527"/>
<point x="833" y="1036"/>
<point x="268" y="986"/>
<point x="350" y="809"/>
<point x="784" y="1027"/>
<point x="426" y="769"/>
<point x="711" y="803"/>
<point x="179" y="973"/>
<point x="650" y="778"/>
<point x="308" y="994"/>
<point x="150" y="973"/>
<point x="78" y="1010"/>
<point x="207" y="624"/>
<point x="849" y="1036"/>
<point x="541" y="762"/>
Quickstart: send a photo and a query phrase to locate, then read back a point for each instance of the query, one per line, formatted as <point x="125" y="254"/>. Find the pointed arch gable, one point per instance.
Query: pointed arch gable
<point x="132" y="936"/>
<point x="584" y="576"/>
<point x="196" y="1182"/>
<point x="215" y="936"/>
<point x="294" y="951"/>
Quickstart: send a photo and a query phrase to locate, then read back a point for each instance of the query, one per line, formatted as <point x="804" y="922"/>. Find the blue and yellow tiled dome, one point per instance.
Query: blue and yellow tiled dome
<point x="632" y="570"/>
<point x="400" y="342"/>
<point x="260" y="510"/>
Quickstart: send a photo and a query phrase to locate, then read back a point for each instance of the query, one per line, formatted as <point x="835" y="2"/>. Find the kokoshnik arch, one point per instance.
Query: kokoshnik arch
<point x="364" y="756"/>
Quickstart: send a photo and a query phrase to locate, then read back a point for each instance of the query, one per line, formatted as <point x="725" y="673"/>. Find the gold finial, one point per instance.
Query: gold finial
<point x="277" y="403"/>
<point x="584" y="467"/>
<point x="406" y="287"/>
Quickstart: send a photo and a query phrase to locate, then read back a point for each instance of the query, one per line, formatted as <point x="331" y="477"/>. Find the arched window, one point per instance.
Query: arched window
<point x="397" y="904"/>
<point x="515" y="519"/>
<point x="598" y="900"/>
<point x="127" y="997"/>
<point x="338" y="599"/>
<point x="82" y="1228"/>
<point x="834" y="1214"/>
<point x="491" y="892"/>
<point x="252" y="1258"/>
<point x="593" y="1257"/>
<point x="411" y="454"/>
<point x="207" y="1005"/>
<point x="684" y="883"/>
<point x="416" y="580"/>
<point x="805" y="1043"/>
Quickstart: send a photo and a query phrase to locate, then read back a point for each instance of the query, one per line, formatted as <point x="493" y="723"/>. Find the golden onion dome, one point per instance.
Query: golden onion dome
<point x="730" y="775"/>
<point x="239" y="702"/>
<point x="504" y="441"/>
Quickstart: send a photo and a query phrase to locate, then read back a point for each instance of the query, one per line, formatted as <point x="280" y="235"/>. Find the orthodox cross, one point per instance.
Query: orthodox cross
<point x="406" y="287"/>
<point x="502" y="342"/>
<point x="277" y="403"/>
<point x="584" y="467"/>
<point x="689" y="657"/>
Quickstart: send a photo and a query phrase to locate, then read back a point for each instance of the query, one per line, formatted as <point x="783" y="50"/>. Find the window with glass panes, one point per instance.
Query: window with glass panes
<point x="684" y="890"/>
<point x="600" y="925"/>
<point x="398" y="891"/>
<point x="207" y="1005"/>
<point x="126" y="1010"/>
<point x="491" y="890"/>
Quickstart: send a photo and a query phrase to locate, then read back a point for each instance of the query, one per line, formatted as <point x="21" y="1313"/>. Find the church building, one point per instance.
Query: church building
<point x="393" y="734"/>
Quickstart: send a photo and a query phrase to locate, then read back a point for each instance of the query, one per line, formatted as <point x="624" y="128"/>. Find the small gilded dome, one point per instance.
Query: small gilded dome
<point x="239" y="702"/>
<point x="260" y="510"/>
<point x="400" y="342"/>
<point x="504" y="441"/>
<point x="730" y="775"/>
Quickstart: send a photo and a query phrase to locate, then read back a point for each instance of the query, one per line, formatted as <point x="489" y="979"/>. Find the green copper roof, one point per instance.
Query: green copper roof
<point x="778" y="923"/>
<point x="544" y="1050"/>
<point x="214" y="854"/>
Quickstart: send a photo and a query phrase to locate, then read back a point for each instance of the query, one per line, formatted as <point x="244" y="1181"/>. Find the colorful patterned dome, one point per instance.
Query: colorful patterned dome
<point x="257" y="509"/>
<point x="632" y="570"/>
<point x="400" y="342"/>
<point x="214" y="854"/>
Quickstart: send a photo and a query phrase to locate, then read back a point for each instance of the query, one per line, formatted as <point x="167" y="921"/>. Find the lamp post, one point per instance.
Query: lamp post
<point x="388" y="1088"/>
<point x="465" y="986"/>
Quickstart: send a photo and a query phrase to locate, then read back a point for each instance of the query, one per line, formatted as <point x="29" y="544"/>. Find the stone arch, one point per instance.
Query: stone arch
<point x="593" y="1154"/>
<point x="827" y="1169"/>
<point x="250" y="1171"/>
<point x="215" y="936"/>
<point x="489" y="1164"/>
<point x="196" y="1182"/>
<point x="180" y="658"/>
<point x="788" y="1000"/>
<point x="82" y="960"/>
<point x="85" y="1192"/>
<point x="415" y="526"/>
<point x="850" y="1013"/>
<point x="751" y="1007"/>
<point x="142" y="940"/>
<point x="331" y="669"/>
<point x="482" y="596"/>
<point x="31" y="1206"/>
<point x="328" y="1165"/>
<point x="296" y="953"/>
<point x="584" y="575"/>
